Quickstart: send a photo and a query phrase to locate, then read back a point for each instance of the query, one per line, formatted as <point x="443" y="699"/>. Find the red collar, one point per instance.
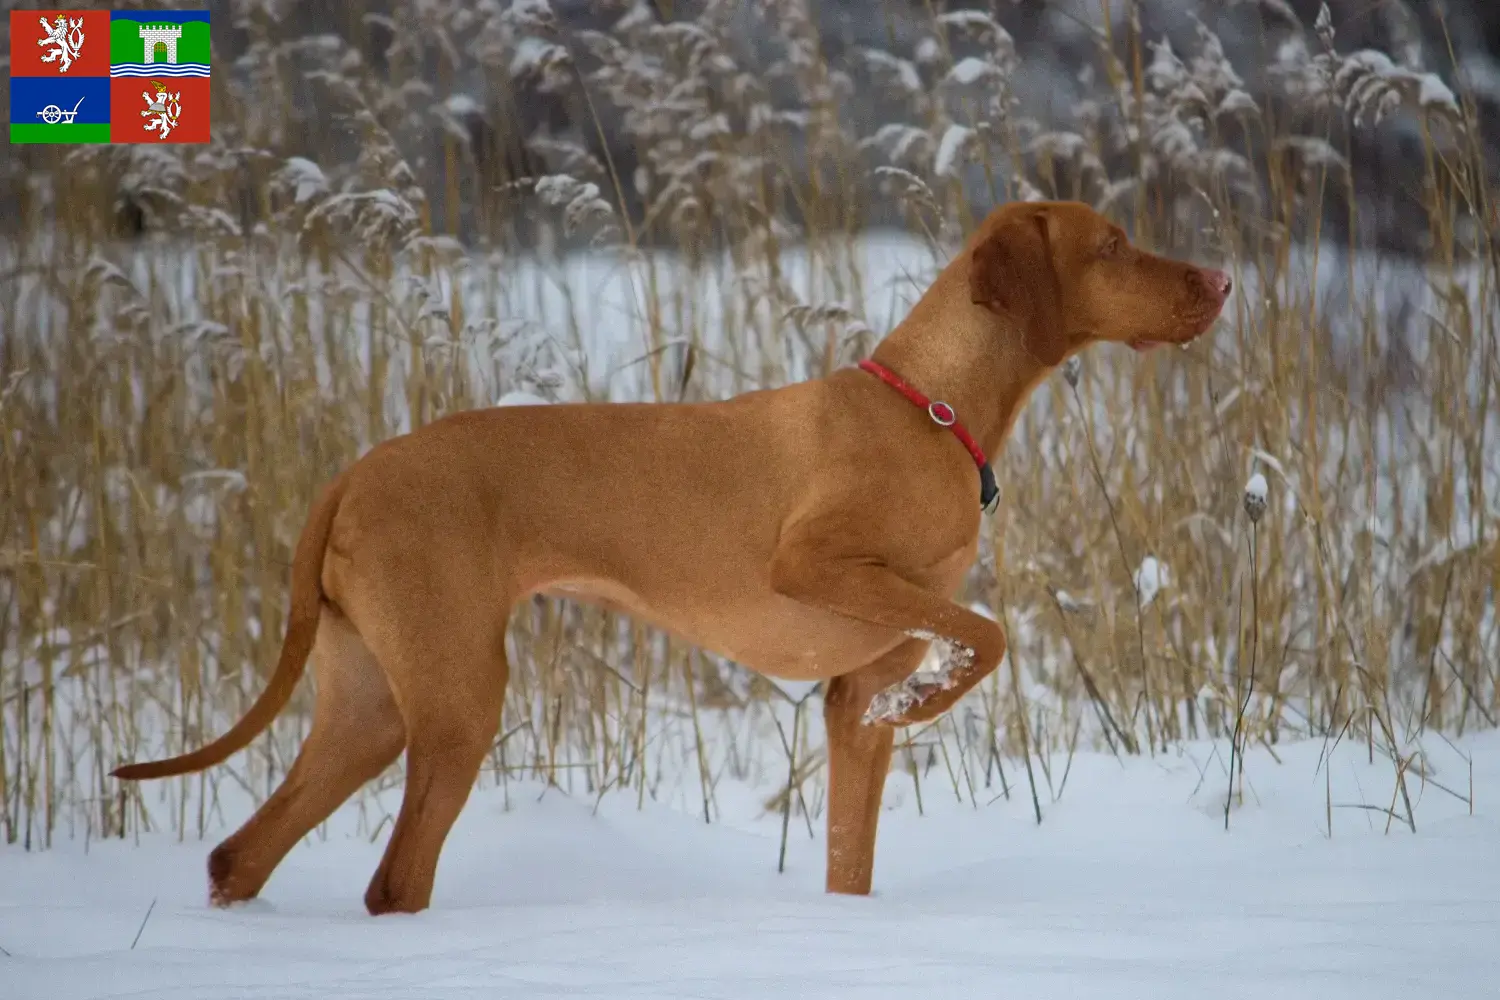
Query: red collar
<point x="943" y="415"/>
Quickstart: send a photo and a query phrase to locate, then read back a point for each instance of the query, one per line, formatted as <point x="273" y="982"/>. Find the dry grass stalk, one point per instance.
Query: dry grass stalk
<point x="169" y="403"/>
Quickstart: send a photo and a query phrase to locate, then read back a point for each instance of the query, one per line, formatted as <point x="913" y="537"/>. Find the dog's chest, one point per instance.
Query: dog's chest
<point x="945" y="565"/>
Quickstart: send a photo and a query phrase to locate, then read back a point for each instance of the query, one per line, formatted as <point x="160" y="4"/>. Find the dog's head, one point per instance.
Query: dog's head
<point x="1068" y="277"/>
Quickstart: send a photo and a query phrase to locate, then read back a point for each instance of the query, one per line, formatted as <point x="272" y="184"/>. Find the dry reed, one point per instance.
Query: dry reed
<point x="169" y="402"/>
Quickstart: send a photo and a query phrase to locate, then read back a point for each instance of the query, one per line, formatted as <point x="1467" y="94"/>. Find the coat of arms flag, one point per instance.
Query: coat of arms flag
<point x="88" y="76"/>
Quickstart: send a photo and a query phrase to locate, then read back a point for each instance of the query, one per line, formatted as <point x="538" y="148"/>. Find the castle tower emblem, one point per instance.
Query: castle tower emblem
<point x="163" y="35"/>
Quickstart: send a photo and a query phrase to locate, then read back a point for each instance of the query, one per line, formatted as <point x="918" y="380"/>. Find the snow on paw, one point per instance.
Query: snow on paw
<point x="894" y="705"/>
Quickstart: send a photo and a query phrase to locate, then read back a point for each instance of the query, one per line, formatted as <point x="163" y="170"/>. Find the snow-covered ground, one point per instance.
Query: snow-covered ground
<point x="1130" y="887"/>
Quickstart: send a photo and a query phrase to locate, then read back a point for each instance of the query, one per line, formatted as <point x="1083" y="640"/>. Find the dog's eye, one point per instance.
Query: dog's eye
<point x="1111" y="247"/>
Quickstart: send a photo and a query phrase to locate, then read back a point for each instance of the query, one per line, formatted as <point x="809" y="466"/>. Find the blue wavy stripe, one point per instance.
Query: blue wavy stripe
<point x="158" y="69"/>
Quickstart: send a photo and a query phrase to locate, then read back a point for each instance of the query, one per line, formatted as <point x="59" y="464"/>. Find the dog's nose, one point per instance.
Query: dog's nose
<point x="1218" y="282"/>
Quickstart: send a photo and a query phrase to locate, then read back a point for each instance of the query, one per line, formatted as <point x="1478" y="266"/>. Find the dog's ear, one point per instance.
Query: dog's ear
<point x="1011" y="273"/>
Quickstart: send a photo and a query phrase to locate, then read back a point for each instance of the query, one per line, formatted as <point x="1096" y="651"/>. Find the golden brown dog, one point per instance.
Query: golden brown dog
<point x="813" y="532"/>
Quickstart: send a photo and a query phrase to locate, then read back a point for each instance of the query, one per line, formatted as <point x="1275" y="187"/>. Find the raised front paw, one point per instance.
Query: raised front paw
<point x="901" y="704"/>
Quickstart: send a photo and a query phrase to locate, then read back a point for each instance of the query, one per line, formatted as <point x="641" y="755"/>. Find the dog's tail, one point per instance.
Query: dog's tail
<point x="301" y="630"/>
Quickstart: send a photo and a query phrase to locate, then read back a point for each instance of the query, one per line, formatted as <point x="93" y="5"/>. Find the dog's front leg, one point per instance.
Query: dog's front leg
<point x="814" y="565"/>
<point x="922" y="696"/>
<point x="870" y="592"/>
<point x="859" y="758"/>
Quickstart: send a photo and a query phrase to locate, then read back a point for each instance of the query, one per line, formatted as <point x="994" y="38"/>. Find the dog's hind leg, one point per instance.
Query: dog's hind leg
<point x="356" y="733"/>
<point x="449" y="672"/>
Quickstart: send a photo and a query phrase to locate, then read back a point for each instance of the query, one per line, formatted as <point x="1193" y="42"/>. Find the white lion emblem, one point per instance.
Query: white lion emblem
<point x="166" y="107"/>
<point x="66" y="39"/>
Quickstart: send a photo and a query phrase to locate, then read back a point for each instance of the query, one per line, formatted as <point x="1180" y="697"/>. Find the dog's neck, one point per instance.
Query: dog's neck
<point x="952" y="350"/>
